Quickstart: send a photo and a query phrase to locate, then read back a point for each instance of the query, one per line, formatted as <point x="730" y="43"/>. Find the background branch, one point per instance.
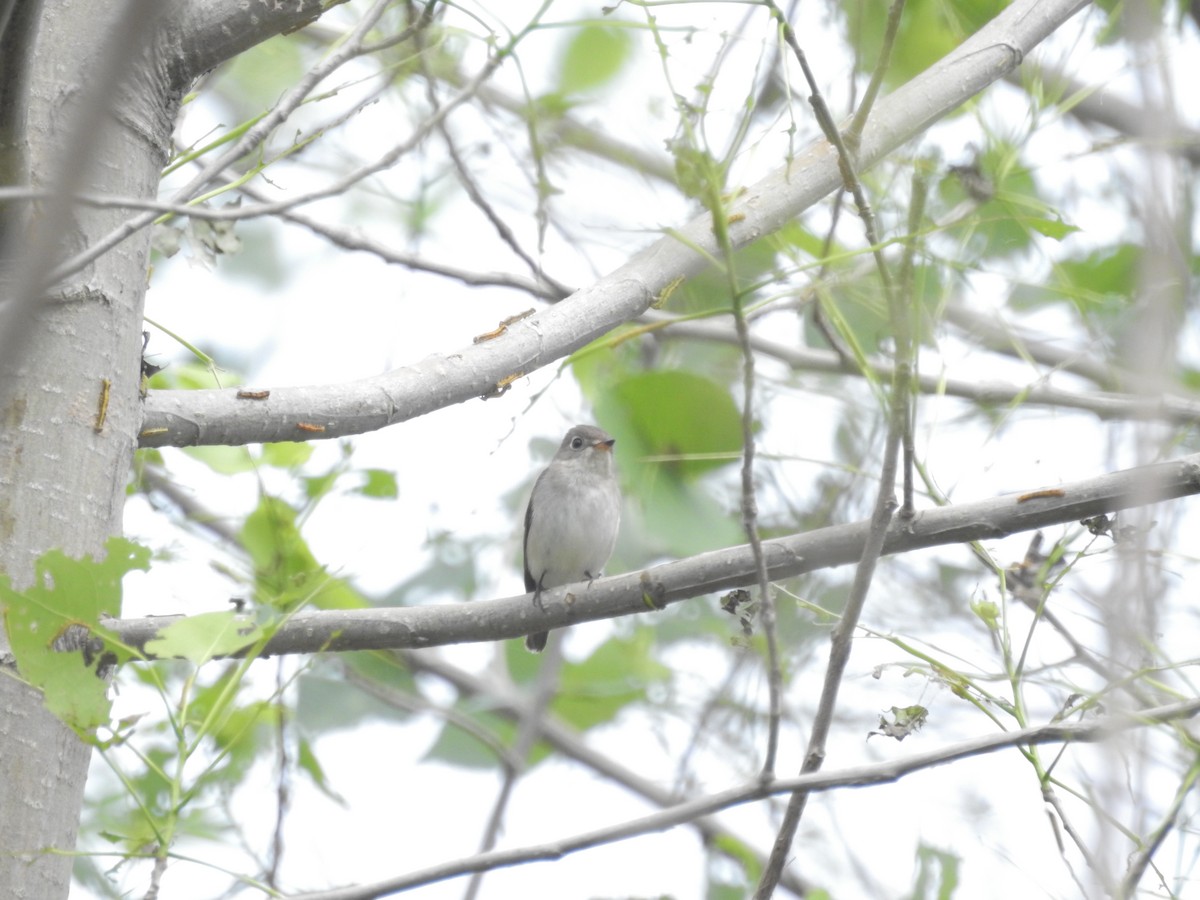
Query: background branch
<point x="857" y="776"/>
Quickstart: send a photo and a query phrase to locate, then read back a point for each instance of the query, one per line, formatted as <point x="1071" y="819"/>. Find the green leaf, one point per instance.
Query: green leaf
<point x="190" y="376"/>
<point x="687" y="421"/>
<point x="223" y="460"/>
<point x="71" y="592"/>
<point x="594" y="55"/>
<point x="204" y="636"/>
<point x="311" y="766"/>
<point x="937" y="874"/>
<point x="1100" y="283"/>
<point x="380" y="484"/>
<point x="255" y="79"/>
<point x="672" y="427"/>
<point x="988" y="613"/>
<point x="286" y="454"/>
<point x="325" y="703"/>
<point x="742" y="852"/>
<point x="317" y="486"/>
<point x="1051" y="228"/>
<point x="929" y="29"/>
<point x="460" y="747"/>
<point x="1011" y="211"/>
<point x="286" y="572"/>
<point x="595" y="690"/>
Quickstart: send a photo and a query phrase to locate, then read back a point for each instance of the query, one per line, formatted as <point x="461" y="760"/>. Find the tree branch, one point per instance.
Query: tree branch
<point x="657" y="587"/>
<point x="503" y="700"/>
<point x="198" y="35"/>
<point x="186" y="418"/>
<point x="855" y="776"/>
<point x="1104" y="404"/>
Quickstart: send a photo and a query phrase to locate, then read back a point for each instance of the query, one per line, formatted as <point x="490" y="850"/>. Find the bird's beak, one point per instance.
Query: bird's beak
<point x="605" y="445"/>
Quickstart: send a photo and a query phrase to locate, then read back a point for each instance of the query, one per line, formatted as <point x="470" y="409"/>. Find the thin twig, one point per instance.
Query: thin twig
<point x="529" y="729"/>
<point x="282" y="782"/>
<point x="854" y="777"/>
<point x="502" y="699"/>
<point x="248" y="141"/>
<point x="903" y="317"/>
<point x="885" y="503"/>
<point x="750" y="524"/>
<point x="1052" y="800"/>
<point x="710" y="175"/>
<point x="477" y="197"/>
<point x="1141" y="858"/>
<point x="882" y="63"/>
<point x="987" y="392"/>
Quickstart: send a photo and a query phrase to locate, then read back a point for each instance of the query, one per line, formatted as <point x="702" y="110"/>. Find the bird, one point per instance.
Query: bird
<point x="573" y="516"/>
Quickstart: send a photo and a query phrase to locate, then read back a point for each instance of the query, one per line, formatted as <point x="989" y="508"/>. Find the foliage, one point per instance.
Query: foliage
<point x="57" y="634"/>
<point x="1018" y="254"/>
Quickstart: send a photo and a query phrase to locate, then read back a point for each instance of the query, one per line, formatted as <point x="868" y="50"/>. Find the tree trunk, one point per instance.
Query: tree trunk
<point x="69" y="410"/>
<point x="88" y="99"/>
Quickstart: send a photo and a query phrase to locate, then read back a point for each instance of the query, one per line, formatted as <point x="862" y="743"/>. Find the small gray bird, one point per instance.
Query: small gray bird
<point x="572" y="519"/>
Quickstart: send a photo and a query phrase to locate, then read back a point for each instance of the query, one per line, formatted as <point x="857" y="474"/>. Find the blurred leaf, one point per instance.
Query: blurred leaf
<point x="1005" y="222"/>
<point x="318" y="486"/>
<point x="451" y="571"/>
<point x="222" y="459"/>
<point x="166" y="239"/>
<point x="595" y="690"/>
<point x="593" y="56"/>
<point x="718" y="891"/>
<point x="213" y="239"/>
<point x="286" y="572"/>
<point x="204" y="636"/>
<point x="696" y="172"/>
<point x="459" y="747"/>
<point x="937" y="874"/>
<point x="71" y="592"/>
<point x="286" y="454"/>
<point x="929" y="29"/>
<point x="380" y="484"/>
<point x="987" y="612"/>
<point x="307" y="760"/>
<point x="1051" y="228"/>
<point x="671" y="427"/>
<point x="746" y="857"/>
<point x="709" y="290"/>
<point x="256" y="78"/>
<point x="860" y="311"/>
<point x="237" y="730"/>
<point x="687" y="418"/>
<point x="326" y="703"/>
<point x="1099" y="284"/>
<point x="263" y="257"/>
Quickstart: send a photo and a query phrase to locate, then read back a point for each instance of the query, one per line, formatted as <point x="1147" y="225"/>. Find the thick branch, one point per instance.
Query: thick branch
<point x="659" y="586"/>
<point x="184" y="418"/>
<point x="198" y="35"/>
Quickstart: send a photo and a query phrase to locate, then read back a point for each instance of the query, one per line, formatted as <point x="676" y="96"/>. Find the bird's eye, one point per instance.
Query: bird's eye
<point x="577" y="443"/>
